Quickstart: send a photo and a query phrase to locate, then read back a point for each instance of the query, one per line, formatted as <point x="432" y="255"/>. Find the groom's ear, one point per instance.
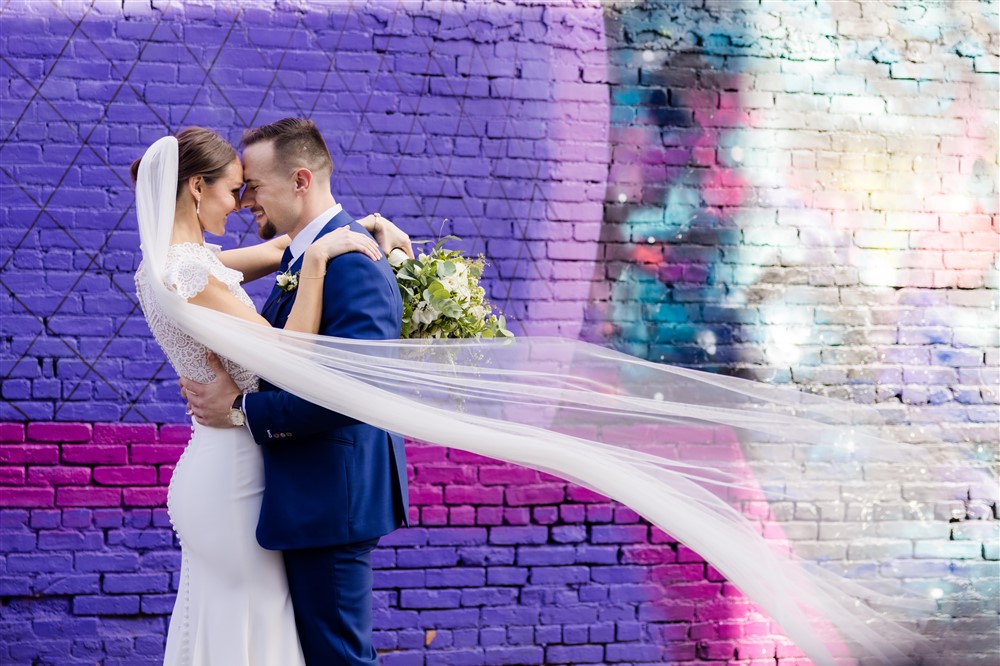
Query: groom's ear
<point x="303" y="179"/>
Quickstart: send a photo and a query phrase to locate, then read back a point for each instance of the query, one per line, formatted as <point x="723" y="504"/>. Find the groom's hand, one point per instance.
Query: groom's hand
<point x="210" y="403"/>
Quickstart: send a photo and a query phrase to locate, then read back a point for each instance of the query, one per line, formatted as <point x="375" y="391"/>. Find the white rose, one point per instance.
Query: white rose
<point x="424" y="314"/>
<point x="397" y="257"/>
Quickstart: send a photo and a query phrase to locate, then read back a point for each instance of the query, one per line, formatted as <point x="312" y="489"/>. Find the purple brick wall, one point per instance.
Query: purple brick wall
<point x="800" y="193"/>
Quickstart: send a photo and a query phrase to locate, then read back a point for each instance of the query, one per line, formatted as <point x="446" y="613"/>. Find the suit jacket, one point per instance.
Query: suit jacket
<point x="329" y="479"/>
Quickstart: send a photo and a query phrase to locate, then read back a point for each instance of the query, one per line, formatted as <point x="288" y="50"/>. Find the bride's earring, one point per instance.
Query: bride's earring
<point x="197" y="206"/>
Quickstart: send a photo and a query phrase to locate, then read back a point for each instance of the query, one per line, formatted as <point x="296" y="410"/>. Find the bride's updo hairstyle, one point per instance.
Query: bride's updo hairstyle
<point x="200" y="152"/>
<point x="297" y="143"/>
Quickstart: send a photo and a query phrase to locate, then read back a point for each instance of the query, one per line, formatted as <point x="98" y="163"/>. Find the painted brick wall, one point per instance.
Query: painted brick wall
<point x="502" y="565"/>
<point x="800" y="193"/>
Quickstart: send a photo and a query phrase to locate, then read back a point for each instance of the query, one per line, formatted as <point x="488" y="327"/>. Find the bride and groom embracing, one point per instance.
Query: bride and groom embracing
<point x="280" y="497"/>
<point x="278" y="503"/>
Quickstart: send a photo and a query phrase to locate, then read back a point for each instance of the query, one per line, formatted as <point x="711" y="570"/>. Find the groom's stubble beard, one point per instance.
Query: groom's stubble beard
<point x="267" y="231"/>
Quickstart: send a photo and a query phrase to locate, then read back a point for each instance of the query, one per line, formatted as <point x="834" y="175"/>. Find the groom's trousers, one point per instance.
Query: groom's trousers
<point x="332" y="594"/>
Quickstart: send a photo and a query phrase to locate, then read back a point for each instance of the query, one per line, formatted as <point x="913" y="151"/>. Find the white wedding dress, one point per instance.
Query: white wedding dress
<point x="233" y="607"/>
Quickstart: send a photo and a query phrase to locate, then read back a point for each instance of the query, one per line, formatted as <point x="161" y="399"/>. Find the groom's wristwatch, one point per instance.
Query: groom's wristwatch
<point x="236" y="416"/>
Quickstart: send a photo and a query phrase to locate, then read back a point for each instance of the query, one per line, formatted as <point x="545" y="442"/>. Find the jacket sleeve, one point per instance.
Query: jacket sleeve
<point x="355" y="305"/>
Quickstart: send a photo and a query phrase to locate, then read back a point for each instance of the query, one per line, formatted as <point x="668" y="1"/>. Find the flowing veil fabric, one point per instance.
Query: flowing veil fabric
<point x="699" y="455"/>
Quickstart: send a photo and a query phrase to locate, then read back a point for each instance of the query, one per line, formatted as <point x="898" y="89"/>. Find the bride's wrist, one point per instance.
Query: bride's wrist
<point x="314" y="266"/>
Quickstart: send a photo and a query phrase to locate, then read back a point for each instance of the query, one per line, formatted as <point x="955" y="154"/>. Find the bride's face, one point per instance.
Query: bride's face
<point x="221" y="198"/>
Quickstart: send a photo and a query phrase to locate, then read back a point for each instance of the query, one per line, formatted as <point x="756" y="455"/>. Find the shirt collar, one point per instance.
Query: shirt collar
<point x="305" y="237"/>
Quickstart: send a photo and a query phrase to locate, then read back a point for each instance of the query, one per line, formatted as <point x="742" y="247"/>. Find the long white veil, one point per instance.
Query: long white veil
<point x="703" y="457"/>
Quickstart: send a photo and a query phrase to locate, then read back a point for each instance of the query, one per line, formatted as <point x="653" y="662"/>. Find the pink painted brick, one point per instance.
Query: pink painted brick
<point x="761" y="649"/>
<point x="685" y="554"/>
<point x="418" y="452"/>
<point x="12" y="475"/>
<point x="59" y="432"/>
<point x="122" y="433"/>
<point x="88" y="496"/>
<point x="645" y="554"/>
<point x="489" y="515"/>
<point x="507" y="475"/>
<point x="58" y="476"/>
<point x="461" y="515"/>
<point x="155" y="453"/>
<point x="132" y="475"/>
<point x="549" y="494"/>
<point x="425" y="495"/>
<point x="716" y="649"/>
<point x="166" y="473"/>
<point x="174" y="434"/>
<point x="672" y="573"/>
<point x="40" y="454"/>
<point x="516" y="516"/>
<point x="713" y="606"/>
<point x="577" y="494"/>
<point x="473" y="495"/>
<point x="144" y="496"/>
<point x="465" y="457"/>
<point x="658" y="536"/>
<point x="95" y="455"/>
<point x="11" y="432"/>
<point x="445" y="474"/>
<point x="27" y="497"/>
<point x="434" y="515"/>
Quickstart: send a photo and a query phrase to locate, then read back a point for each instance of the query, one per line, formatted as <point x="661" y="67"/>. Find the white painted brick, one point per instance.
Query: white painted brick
<point x="858" y="104"/>
<point x="881" y="549"/>
<point x="952" y="550"/>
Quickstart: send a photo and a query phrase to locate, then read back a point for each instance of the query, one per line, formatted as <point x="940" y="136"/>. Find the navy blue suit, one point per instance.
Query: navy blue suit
<point x="332" y="485"/>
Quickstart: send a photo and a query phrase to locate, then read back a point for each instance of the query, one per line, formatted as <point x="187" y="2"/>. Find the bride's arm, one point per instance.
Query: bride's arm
<point x="386" y="234"/>
<point x="263" y="259"/>
<point x="258" y="260"/>
<point x="308" y="306"/>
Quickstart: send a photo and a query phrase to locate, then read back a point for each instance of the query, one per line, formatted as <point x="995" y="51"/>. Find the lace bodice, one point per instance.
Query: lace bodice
<point x="187" y="270"/>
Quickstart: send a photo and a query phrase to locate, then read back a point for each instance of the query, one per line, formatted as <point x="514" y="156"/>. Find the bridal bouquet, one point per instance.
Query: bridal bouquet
<point x="442" y="297"/>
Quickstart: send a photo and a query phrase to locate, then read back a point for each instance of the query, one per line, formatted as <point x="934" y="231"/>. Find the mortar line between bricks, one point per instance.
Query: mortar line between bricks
<point x="416" y="120"/>
<point x="362" y="110"/>
<point x="277" y="67"/>
<point x="70" y="291"/>
<point x="97" y="359"/>
<point x="114" y="67"/>
<point x="208" y="72"/>
<point x="69" y="124"/>
<point x="48" y="73"/>
<point x="86" y="140"/>
<point x="66" y="344"/>
<point x="331" y="61"/>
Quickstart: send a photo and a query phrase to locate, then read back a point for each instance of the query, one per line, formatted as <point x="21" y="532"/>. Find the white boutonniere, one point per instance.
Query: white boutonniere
<point x="287" y="281"/>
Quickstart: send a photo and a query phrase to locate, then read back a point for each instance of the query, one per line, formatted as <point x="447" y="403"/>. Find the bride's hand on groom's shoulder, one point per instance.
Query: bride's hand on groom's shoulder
<point x="341" y="241"/>
<point x="387" y="234"/>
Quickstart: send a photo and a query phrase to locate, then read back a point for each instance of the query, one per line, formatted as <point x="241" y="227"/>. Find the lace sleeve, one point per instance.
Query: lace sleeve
<point x="189" y="265"/>
<point x="187" y="276"/>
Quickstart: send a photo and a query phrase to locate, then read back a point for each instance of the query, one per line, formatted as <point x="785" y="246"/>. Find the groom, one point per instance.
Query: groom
<point x="333" y="485"/>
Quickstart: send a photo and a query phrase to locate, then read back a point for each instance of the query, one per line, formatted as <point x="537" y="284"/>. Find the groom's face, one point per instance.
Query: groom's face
<point x="269" y="191"/>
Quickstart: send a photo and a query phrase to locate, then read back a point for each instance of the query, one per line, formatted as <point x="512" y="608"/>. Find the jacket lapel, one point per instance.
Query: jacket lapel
<point x="278" y="300"/>
<point x="274" y="296"/>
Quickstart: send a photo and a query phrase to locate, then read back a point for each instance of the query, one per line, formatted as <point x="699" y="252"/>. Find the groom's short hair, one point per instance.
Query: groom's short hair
<point x="297" y="143"/>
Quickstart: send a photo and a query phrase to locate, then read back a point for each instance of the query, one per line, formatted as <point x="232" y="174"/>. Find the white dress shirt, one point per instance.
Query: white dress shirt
<point x="306" y="237"/>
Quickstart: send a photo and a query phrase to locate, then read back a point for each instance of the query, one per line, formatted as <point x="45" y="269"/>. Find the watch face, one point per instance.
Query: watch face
<point x="236" y="417"/>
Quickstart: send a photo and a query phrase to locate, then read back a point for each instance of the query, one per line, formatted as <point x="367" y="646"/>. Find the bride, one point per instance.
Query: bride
<point x="695" y="453"/>
<point x="233" y="605"/>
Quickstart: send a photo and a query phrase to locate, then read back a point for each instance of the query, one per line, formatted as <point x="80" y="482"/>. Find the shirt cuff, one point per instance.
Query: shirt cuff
<point x="243" y="408"/>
